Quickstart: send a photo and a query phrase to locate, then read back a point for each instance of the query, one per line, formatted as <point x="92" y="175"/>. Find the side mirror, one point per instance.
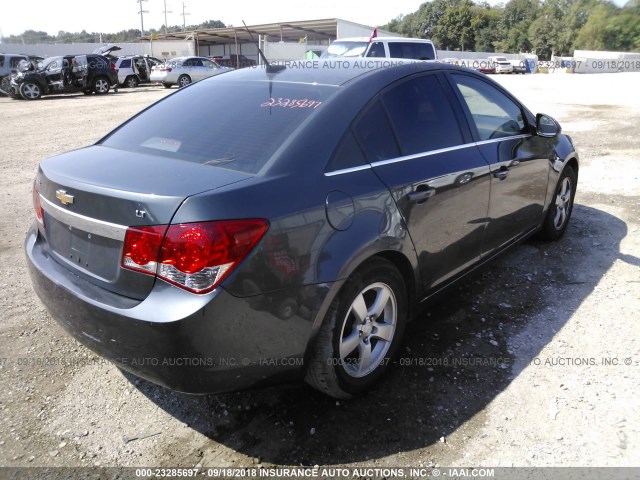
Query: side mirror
<point x="546" y="126"/>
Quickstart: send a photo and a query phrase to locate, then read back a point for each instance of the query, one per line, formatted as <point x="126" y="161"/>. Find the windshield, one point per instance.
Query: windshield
<point x="237" y="125"/>
<point x="345" y="49"/>
<point x="50" y="63"/>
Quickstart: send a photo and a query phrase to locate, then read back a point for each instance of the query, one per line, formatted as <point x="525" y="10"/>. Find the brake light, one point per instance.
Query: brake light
<point x="37" y="204"/>
<point x="142" y="248"/>
<point x="193" y="256"/>
<point x="167" y="69"/>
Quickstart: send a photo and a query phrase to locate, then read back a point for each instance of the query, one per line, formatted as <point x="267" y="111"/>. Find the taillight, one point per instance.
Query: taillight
<point x="142" y="248"/>
<point x="193" y="256"/>
<point x="37" y="204"/>
<point x="168" y="69"/>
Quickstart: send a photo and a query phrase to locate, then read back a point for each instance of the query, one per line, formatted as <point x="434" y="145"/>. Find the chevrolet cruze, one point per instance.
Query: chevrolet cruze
<point x="285" y="223"/>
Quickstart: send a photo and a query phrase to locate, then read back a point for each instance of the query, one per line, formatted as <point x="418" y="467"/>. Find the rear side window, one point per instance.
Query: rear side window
<point x="414" y="50"/>
<point x="494" y="114"/>
<point x="125" y="63"/>
<point x="348" y="155"/>
<point x="236" y="125"/>
<point x="422" y="115"/>
<point x="375" y="135"/>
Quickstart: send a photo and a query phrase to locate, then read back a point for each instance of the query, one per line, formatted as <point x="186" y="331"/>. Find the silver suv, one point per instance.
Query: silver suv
<point x="382" y="47"/>
<point x="134" y="70"/>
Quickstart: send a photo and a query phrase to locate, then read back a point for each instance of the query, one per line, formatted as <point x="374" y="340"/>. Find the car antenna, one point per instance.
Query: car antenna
<point x="270" y="68"/>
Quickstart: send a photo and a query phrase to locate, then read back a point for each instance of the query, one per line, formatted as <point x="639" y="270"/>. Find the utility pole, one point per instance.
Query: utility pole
<point x="165" y="17"/>
<point x="141" y="17"/>
<point x="184" y="17"/>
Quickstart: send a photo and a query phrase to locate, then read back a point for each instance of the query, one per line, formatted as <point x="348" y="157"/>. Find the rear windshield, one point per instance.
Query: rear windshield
<point x="235" y="125"/>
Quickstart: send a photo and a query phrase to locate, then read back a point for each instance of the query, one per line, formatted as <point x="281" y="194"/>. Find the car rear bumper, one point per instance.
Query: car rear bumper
<point x="190" y="343"/>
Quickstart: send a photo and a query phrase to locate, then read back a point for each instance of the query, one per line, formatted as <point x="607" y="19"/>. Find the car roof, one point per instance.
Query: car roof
<point x="334" y="71"/>
<point x="386" y="39"/>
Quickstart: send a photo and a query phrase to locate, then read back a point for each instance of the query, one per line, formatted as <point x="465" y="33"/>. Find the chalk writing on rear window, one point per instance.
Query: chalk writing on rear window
<point x="291" y="103"/>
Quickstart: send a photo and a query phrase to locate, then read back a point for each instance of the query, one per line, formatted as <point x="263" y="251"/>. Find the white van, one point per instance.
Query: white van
<point x="382" y="47"/>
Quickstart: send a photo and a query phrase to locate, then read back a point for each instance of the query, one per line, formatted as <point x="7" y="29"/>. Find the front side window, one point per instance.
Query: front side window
<point x="422" y="115"/>
<point x="15" y="61"/>
<point x="494" y="114"/>
<point x="376" y="50"/>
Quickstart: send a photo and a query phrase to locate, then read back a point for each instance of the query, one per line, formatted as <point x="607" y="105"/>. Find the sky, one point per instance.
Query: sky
<point x="115" y="15"/>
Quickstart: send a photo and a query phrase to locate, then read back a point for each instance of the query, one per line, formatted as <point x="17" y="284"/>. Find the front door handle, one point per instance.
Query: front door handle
<point x="422" y="194"/>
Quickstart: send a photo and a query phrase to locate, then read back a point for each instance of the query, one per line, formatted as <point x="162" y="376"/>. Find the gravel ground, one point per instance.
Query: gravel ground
<point x="558" y="321"/>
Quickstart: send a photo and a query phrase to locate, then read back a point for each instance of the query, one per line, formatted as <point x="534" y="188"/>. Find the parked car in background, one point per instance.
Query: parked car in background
<point x="11" y="63"/>
<point x="64" y="74"/>
<point x="381" y="47"/>
<point x="182" y="71"/>
<point x="268" y="225"/>
<point x="235" y="61"/>
<point x="519" y="66"/>
<point x="501" y="64"/>
<point x="135" y="69"/>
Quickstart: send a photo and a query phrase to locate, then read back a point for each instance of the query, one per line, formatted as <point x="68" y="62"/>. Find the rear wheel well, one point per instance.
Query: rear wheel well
<point x="406" y="270"/>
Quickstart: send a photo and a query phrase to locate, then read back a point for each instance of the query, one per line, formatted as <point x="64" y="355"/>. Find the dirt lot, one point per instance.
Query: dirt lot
<point x="561" y="319"/>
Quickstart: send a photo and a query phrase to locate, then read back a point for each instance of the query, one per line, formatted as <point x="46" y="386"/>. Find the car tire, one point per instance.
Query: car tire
<point x="184" y="80"/>
<point x="350" y="353"/>
<point x="30" y="91"/>
<point x="557" y="219"/>
<point x="166" y="85"/>
<point x="101" y="85"/>
<point x="131" y="82"/>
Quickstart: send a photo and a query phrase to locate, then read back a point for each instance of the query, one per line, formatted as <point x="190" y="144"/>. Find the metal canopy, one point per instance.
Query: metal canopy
<point x="315" y="31"/>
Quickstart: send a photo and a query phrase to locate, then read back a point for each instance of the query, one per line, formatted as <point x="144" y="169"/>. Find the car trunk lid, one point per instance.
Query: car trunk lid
<point x="92" y="195"/>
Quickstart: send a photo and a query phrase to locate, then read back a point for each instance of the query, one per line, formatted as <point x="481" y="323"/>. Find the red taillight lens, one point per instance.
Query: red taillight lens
<point x="194" y="256"/>
<point x="37" y="204"/>
<point x="142" y="248"/>
<point x="168" y="69"/>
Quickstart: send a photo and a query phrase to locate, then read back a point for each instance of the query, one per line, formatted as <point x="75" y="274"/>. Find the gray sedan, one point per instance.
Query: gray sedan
<point x="289" y="221"/>
<point x="182" y="71"/>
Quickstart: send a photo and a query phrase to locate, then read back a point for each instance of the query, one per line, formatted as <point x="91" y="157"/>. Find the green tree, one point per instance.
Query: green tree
<point x="486" y="27"/>
<point x="622" y="33"/>
<point x="516" y="20"/>
<point x="593" y="34"/>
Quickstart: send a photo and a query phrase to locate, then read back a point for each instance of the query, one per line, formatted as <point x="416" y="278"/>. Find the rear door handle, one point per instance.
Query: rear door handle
<point x="422" y="194"/>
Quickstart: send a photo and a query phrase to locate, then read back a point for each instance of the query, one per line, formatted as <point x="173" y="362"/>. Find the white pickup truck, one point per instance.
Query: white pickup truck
<point x="501" y="64"/>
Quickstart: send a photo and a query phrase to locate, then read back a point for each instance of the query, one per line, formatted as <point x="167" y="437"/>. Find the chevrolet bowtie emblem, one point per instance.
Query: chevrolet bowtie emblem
<point x="64" y="198"/>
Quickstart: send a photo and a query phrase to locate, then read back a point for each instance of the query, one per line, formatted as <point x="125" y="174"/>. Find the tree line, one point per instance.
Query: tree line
<point x="130" y="35"/>
<point x="545" y="28"/>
